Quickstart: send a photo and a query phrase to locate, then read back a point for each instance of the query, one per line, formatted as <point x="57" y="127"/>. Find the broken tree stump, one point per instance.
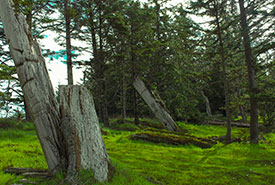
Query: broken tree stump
<point x="162" y="115"/>
<point x="84" y="146"/>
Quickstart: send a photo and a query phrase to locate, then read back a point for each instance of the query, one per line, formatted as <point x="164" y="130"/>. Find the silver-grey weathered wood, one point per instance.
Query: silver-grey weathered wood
<point x="162" y="115"/>
<point x="35" y="82"/>
<point x="207" y="105"/>
<point x="77" y="127"/>
<point x="84" y="144"/>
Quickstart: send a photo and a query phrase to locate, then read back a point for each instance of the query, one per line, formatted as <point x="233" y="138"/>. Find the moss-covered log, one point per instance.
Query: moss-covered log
<point x="174" y="139"/>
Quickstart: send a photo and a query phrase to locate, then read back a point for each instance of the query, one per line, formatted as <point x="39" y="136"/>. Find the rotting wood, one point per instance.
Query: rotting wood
<point x="85" y="147"/>
<point x="237" y="124"/>
<point x="162" y="115"/>
<point x="173" y="139"/>
<point x="28" y="172"/>
<point x="78" y="123"/>
<point x="207" y="105"/>
<point x="35" y="82"/>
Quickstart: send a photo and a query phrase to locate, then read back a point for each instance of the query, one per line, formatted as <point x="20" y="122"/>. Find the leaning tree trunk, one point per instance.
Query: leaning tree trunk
<point x="207" y="105"/>
<point x="27" y="112"/>
<point x="55" y="130"/>
<point x="157" y="109"/>
<point x="35" y="82"/>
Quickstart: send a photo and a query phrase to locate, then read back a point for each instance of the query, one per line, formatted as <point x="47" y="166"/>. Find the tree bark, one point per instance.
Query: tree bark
<point x="124" y="101"/>
<point x="207" y="105"/>
<point x="84" y="147"/>
<point x="27" y="113"/>
<point x="104" y="105"/>
<point x="72" y="140"/>
<point x="136" y="117"/>
<point x="67" y="16"/>
<point x="254" y="128"/>
<point x="99" y="68"/>
<point x="29" y="14"/>
<point x="35" y="82"/>
<point x="241" y="108"/>
<point x="157" y="109"/>
<point x="225" y="76"/>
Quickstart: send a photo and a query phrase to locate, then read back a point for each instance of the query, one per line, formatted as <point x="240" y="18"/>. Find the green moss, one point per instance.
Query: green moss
<point x="142" y="163"/>
<point x="173" y="138"/>
<point x="128" y="126"/>
<point x="15" y="124"/>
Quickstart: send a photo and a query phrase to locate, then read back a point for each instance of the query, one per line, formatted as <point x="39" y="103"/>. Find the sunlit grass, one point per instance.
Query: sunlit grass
<point x="19" y="148"/>
<point x="140" y="162"/>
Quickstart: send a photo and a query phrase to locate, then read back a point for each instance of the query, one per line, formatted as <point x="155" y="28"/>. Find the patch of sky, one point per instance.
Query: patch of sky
<point x="60" y="55"/>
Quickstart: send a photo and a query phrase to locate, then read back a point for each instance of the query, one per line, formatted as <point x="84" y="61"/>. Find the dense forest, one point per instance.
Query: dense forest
<point x="204" y="61"/>
<point x="197" y="70"/>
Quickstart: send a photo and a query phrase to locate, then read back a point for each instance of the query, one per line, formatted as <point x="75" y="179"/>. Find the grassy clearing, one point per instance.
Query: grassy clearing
<point x="140" y="162"/>
<point x="19" y="147"/>
<point x="222" y="164"/>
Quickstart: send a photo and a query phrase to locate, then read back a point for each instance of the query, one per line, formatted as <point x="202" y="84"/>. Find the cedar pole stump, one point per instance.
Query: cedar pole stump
<point x="162" y="115"/>
<point x="69" y="134"/>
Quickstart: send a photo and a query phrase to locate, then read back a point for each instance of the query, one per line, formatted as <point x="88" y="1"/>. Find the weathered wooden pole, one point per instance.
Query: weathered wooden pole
<point x="84" y="145"/>
<point x="35" y="82"/>
<point x="71" y="139"/>
<point x="162" y="115"/>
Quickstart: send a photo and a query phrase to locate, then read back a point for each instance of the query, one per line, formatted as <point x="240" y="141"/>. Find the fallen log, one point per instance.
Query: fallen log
<point x="237" y="124"/>
<point x="30" y="172"/>
<point x="173" y="139"/>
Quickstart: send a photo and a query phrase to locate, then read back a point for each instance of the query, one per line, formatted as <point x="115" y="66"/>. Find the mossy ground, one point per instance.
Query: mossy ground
<point x="140" y="162"/>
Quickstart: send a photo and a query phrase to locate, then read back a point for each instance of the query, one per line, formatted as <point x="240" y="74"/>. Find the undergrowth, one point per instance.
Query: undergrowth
<point x="140" y="162"/>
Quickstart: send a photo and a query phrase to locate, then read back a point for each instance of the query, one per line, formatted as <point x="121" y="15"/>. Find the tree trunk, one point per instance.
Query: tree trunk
<point x="225" y="76"/>
<point x="72" y="140"/>
<point x="103" y="101"/>
<point x="67" y="15"/>
<point x="254" y="129"/>
<point x="27" y="113"/>
<point x="99" y="70"/>
<point x="157" y="109"/>
<point x="85" y="148"/>
<point x="124" y="101"/>
<point x="105" y="111"/>
<point x="29" y="14"/>
<point x="136" y="119"/>
<point x="207" y="105"/>
<point x="241" y="108"/>
<point x="35" y="82"/>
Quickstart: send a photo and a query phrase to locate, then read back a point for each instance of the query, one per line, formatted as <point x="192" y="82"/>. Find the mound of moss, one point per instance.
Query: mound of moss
<point x="150" y="124"/>
<point x="15" y="124"/>
<point x="124" y="125"/>
<point x="173" y="138"/>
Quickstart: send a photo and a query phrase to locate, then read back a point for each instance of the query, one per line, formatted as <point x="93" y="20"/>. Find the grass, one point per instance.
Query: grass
<point x="140" y="162"/>
<point x="19" y="148"/>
